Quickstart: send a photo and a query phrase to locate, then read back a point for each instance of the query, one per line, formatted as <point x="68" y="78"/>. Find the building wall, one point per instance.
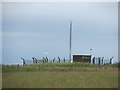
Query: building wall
<point x="81" y="58"/>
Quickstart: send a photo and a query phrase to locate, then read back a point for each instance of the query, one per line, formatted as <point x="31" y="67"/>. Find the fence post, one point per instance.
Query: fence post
<point x="33" y="59"/>
<point x="111" y="60"/>
<point x="64" y="59"/>
<point x="44" y="60"/>
<point x="53" y="59"/>
<point x="93" y="60"/>
<point x="59" y="59"/>
<point x="99" y="61"/>
<point x="23" y="61"/>
<point x="102" y="60"/>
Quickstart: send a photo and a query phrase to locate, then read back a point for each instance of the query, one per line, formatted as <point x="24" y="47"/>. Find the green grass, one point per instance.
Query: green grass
<point x="48" y="79"/>
<point x="44" y="66"/>
<point x="54" y="67"/>
<point x="60" y="75"/>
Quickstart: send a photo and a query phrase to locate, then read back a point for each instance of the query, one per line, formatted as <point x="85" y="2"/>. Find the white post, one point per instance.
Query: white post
<point x="70" y="40"/>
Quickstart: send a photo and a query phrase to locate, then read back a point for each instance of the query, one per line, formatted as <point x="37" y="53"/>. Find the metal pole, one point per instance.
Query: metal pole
<point x="70" y="41"/>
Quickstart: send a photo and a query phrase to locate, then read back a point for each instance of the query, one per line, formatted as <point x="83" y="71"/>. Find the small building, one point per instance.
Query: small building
<point x="81" y="58"/>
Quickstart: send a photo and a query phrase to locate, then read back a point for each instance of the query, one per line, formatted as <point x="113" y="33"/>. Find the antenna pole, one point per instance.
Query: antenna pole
<point x="70" y="41"/>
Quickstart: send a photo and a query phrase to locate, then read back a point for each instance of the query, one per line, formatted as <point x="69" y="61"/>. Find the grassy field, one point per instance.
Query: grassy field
<point x="60" y="75"/>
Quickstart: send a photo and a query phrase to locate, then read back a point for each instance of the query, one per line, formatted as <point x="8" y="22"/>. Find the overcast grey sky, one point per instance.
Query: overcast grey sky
<point x="32" y="29"/>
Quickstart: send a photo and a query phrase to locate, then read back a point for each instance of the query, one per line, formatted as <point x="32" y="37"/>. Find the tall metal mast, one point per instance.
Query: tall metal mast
<point x="70" y="40"/>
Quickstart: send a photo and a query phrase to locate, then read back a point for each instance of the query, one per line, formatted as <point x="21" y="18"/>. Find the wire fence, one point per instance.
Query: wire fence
<point x="102" y="60"/>
<point x="44" y="60"/>
<point x="94" y="60"/>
